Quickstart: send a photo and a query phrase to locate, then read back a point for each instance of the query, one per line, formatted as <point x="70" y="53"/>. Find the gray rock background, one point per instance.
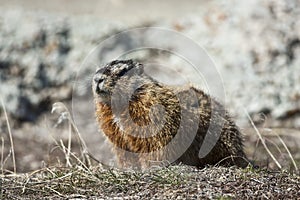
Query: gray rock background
<point x="255" y="47"/>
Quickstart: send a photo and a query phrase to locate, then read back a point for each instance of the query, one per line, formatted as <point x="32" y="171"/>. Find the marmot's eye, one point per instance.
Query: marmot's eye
<point x="100" y="71"/>
<point x="123" y="72"/>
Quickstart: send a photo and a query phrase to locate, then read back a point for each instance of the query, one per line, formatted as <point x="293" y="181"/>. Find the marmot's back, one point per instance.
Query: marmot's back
<point x="147" y="121"/>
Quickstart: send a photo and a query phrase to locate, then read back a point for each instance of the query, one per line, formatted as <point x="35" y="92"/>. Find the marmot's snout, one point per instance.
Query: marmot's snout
<point x="98" y="83"/>
<point x="101" y="86"/>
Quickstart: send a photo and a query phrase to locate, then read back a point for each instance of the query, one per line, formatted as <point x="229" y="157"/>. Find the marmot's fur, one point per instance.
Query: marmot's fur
<point x="149" y="122"/>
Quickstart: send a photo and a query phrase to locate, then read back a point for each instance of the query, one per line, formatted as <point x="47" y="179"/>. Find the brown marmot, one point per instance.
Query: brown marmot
<point x="150" y="123"/>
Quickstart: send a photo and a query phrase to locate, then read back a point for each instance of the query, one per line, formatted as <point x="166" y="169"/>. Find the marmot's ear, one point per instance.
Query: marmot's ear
<point x="139" y="69"/>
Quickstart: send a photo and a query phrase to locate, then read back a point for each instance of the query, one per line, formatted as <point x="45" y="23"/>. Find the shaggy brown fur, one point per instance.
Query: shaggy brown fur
<point x="149" y="122"/>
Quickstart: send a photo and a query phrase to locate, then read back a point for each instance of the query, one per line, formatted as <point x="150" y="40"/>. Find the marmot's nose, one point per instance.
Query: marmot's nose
<point x="98" y="81"/>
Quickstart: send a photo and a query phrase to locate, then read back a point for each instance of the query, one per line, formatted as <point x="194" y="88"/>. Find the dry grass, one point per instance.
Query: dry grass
<point x="263" y="141"/>
<point x="76" y="175"/>
<point x="181" y="182"/>
<point x="10" y="139"/>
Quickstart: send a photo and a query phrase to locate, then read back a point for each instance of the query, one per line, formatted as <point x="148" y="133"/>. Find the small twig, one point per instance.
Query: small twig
<point x="288" y="151"/>
<point x="66" y="153"/>
<point x="10" y="137"/>
<point x="43" y="182"/>
<point x="6" y="158"/>
<point x="2" y="154"/>
<point x="60" y="106"/>
<point x="262" y="140"/>
<point x="253" y="179"/>
<point x="254" y="152"/>
<point x="55" y="191"/>
<point x="230" y="158"/>
<point x="71" y="154"/>
<point x="275" y="145"/>
<point x="69" y="144"/>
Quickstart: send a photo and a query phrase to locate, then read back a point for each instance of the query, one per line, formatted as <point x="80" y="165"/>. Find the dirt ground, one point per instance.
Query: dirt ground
<point x="40" y="146"/>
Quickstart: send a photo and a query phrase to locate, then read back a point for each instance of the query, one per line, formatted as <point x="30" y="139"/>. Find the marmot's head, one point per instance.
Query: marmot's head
<point x="116" y="77"/>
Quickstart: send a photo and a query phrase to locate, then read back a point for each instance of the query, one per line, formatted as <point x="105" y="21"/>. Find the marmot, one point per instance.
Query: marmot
<point x="149" y="122"/>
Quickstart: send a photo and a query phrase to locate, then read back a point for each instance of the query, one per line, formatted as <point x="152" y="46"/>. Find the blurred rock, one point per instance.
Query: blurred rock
<point x="255" y="45"/>
<point x="39" y="57"/>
